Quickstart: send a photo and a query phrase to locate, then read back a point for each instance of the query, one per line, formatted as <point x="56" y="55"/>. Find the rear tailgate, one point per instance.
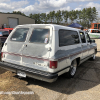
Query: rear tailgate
<point x="36" y="50"/>
<point x="29" y="46"/>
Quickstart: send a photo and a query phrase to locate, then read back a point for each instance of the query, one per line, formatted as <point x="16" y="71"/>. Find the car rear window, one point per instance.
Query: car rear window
<point x="40" y="36"/>
<point x="20" y="34"/>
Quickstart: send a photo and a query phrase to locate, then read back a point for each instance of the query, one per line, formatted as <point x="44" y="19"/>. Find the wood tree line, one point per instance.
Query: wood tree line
<point x="83" y="17"/>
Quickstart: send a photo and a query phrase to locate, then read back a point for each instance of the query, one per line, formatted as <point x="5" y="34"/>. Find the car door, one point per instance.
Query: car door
<point x="84" y="45"/>
<point x="90" y="45"/>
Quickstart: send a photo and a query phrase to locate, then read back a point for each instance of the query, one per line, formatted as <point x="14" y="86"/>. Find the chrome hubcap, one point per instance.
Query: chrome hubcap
<point x="73" y="70"/>
<point x="93" y="56"/>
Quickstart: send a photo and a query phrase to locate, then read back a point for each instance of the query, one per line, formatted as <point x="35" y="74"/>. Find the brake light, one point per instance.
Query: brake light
<point x="1" y="54"/>
<point x="53" y="64"/>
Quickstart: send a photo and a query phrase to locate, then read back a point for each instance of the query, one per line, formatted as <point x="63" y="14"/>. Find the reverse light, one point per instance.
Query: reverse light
<point x="53" y="64"/>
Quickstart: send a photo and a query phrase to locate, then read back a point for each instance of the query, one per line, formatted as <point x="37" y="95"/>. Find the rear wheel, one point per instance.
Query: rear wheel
<point x="72" y="69"/>
<point x="93" y="57"/>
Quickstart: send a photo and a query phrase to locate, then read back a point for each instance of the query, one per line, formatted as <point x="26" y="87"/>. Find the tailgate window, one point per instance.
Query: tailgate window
<point x="40" y="36"/>
<point x="19" y="35"/>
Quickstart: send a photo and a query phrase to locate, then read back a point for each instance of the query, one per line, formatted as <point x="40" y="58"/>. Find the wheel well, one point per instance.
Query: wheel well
<point x="95" y="51"/>
<point x="78" y="61"/>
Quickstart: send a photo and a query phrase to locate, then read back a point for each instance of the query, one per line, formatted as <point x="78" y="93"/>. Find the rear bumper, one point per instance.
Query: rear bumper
<point x="34" y="73"/>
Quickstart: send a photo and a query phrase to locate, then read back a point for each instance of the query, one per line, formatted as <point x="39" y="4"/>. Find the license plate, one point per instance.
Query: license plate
<point x="21" y="74"/>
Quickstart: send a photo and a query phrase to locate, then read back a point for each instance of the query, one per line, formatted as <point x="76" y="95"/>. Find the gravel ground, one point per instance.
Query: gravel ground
<point x="84" y="86"/>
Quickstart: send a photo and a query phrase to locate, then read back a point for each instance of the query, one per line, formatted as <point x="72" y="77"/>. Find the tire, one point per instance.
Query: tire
<point x="72" y="71"/>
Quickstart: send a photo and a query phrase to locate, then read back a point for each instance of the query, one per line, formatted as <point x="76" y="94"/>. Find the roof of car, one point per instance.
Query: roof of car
<point x="53" y="25"/>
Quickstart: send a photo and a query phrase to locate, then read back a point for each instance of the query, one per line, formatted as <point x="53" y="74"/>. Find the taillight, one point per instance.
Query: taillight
<point x="1" y="54"/>
<point x="53" y="64"/>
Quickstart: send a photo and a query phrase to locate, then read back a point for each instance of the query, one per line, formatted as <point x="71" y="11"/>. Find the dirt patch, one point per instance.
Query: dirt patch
<point x="10" y="83"/>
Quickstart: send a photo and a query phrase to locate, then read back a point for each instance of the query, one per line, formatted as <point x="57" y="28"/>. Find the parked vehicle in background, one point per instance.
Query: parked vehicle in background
<point x="46" y="51"/>
<point x="4" y="33"/>
<point x="95" y="26"/>
<point x="94" y="33"/>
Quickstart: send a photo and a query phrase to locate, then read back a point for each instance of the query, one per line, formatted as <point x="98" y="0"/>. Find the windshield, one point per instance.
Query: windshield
<point x="4" y="33"/>
<point x="40" y="36"/>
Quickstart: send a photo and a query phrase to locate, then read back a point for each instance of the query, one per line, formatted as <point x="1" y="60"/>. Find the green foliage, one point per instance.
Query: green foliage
<point x="84" y="17"/>
<point x="72" y="15"/>
<point x="87" y="16"/>
<point x="58" y="16"/>
<point x="18" y="12"/>
<point x="43" y="17"/>
<point x="65" y="15"/>
<point x="37" y="18"/>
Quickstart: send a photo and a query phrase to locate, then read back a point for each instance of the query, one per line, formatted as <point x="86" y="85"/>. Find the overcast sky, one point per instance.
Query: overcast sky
<point x="44" y="6"/>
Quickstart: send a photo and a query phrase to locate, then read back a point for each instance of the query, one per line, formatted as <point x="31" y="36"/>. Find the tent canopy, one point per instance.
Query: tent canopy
<point x="75" y="25"/>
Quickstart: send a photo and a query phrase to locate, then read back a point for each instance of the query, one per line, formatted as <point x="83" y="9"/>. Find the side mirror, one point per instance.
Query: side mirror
<point x="92" y="41"/>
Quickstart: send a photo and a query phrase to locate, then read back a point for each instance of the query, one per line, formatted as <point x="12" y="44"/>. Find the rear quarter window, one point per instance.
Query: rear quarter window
<point x="19" y="35"/>
<point x="40" y="36"/>
<point x="68" y="37"/>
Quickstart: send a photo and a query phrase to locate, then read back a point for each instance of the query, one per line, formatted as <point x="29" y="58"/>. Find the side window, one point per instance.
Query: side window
<point x="82" y="37"/>
<point x="68" y="37"/>
<point x="19" y="35"/>
<point x="95" y="25"/>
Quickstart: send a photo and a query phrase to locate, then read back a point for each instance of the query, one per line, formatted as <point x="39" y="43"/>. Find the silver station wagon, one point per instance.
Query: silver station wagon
<point x="46" y="51"/>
